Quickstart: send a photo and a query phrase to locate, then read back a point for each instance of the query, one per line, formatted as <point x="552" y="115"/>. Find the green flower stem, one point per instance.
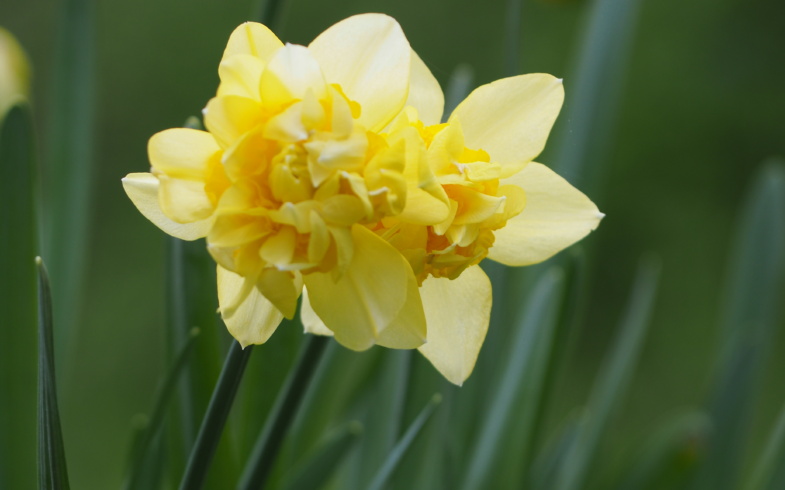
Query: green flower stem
<point x="512" y="38"/>
<point x="215" y="418"/>
<point x="283" y="413"/>
<point x="268" y="12"/>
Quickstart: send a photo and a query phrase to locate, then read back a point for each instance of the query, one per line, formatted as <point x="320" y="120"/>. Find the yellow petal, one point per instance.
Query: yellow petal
<point x="14" y="71"/>
<point x="253" y="39"/>
<point x="369" y="57"/>
<point x="228" y="118"/>
<point x="556" y="216"/>
<point x="311" y="321"/>
<point x="254" y="319"/>
<point x="291" y="73"/>
<point x="511" y="118"/>
<point x="240" y="75"/>
<point x="282" y="288"/>
<point x="142" y="188"/>
<point x="367" y="297"/>
<point x="457" y="312"/>
<point x="426" y="201"/>
<point x="287" y="125"/>
<point x="184" y="201"/>
<point x="279" y="248"/>
<point x="425" y="94"/>
<point x="182" y="152"/>
<point x="236" y="229"/>
<point x="407" y="330"/>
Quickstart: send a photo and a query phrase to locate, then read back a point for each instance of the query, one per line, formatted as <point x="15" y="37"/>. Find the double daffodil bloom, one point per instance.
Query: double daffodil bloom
<point x="325" y="174"/>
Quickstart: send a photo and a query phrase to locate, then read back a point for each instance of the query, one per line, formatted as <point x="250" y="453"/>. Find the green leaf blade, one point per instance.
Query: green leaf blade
<point x="68" y="173"/>
<point x="612" y="381"/>
<point x="18" y="249"/>
<point x="507" y="426"/>
<point x="753" y="308"/>
<point x="52" y="468"/>
<point x="320" y="464"/>
<point x="388" y="468"/>
<point x="593" y="92"/>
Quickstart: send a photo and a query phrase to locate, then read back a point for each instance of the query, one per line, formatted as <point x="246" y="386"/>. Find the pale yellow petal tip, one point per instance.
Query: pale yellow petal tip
<point x="15" y="71"/>
<point x="39" y="261"/>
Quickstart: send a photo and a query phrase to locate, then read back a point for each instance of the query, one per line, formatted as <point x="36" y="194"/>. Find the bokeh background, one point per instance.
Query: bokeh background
<point x="696" y="108"/>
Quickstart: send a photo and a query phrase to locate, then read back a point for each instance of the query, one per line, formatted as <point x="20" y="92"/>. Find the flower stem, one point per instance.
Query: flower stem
<point x="268" y="12"/>
<point x="283" y="413"/>
<point x="215" y="418"/>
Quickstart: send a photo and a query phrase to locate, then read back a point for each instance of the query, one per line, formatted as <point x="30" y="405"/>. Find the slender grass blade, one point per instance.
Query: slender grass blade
<point x="545" y="467"/>
<point x="18" y="248"/>
<point x="512" y="37"/>
<point x="385" y="413"/>
<point x="269" y="12"/>
<point x="149" y="440"/>
<point x="670" y="456"/>
<point x="320" y="464"/>
<point x="771" y="459"/>
<point x="429" y="463"/>
<point x="594" y="92"/>
<point x="506" y="426"/>
<point x="52" y="468"/>
<point x="68" y="175"/>
<point x="146" y="466"/>
<point x="389" y="466"/>
<point x="752" y="309"/>
<point x="327" y="401"/>
<point x="612" y="380"/>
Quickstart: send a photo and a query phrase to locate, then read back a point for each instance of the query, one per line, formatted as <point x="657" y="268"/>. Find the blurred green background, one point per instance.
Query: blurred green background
<point x="701" y="105"/>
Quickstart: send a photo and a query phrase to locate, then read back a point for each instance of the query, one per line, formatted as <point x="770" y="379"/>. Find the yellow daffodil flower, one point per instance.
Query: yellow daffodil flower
<point x="325" y="173"/>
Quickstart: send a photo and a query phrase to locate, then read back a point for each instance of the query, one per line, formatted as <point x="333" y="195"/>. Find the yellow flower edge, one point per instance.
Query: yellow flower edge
<point x="15" y="72"/>
<point x="325" y="173"/>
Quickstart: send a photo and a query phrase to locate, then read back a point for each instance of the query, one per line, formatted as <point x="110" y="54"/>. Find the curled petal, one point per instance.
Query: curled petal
<point x="311" y="321"/>
<point x="457" y="312"/>
<point x="184" y="201"/>
<point x="407" y="330"/>
<point x="282" y="288"/>
<point x="230" y="117"/>
<point x="291" y="73"/>
<point x="426" y="202"/>
<point x="359" y="306"/>
<point x="556" y="215"/>
<point x="369" y="57"/>
<point x="511" y="118"/>
<point x="142" y="188"/>
<point x="249" y="316"/>
<point x="182" y="152"/>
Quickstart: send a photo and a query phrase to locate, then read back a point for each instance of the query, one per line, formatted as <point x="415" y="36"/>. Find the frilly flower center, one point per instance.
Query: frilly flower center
<point x="288" y="191"/>
<point x="478" y="205"/>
